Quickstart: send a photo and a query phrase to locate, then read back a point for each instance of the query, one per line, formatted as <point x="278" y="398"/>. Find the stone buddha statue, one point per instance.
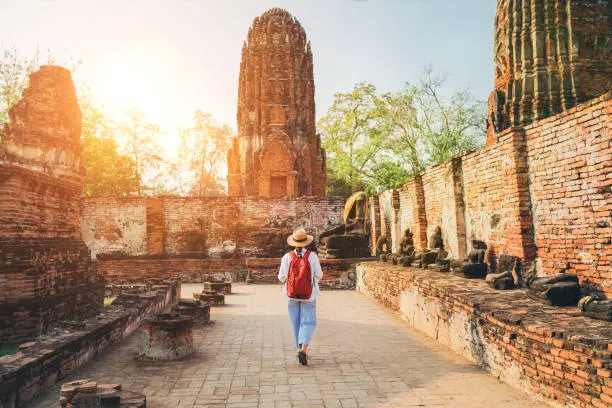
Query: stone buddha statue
<point x="349" y="239"/>
<point x="474" y="267"/>
<point x="407" y="250"/>
<point x="428" y="257"/>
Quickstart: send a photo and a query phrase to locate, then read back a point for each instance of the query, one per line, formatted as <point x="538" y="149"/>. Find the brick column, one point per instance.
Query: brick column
<point x="374" y="221"/>
<point x="155" y="226"/>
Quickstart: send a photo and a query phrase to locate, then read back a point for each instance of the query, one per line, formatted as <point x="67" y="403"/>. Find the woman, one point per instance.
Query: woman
<point x="302" y="311"/>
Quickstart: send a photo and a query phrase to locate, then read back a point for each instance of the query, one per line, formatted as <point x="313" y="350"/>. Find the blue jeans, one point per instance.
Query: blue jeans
<point x="303" y="316"/>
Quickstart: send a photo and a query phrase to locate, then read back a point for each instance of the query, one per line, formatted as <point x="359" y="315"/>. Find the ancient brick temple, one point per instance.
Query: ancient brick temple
<point x="550" y="56"/>
<point x="277" y="152"/>
<point x="45" y="272"/>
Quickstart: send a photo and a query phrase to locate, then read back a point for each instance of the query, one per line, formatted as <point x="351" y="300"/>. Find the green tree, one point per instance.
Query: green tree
<point x="377" y="142"/>
<point x="202" y="150"/>
<point x="353" y="137"/>
<point x="107" y="172"/>
<point x="387" y="175"/>
<point x="141" y="147"/>
<point x="14" y="76"/>
<point x="447" y="127"/>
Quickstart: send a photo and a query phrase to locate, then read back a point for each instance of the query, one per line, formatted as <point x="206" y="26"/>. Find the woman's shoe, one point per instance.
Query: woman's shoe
<point x="303" y="358"/>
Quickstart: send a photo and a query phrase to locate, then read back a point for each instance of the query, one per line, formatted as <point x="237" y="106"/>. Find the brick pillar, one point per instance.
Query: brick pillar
<point x="374" y="221"/>
<point x="420" y="224"/>
<point x="381" y="216"/>
<point x="522" y="238"/>
<point x="155" y="226"/>
<point x="396" y="233"/>
<point x="459" y="205"/>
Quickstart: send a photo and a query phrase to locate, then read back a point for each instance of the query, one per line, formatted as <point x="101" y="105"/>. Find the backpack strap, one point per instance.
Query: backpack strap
<point x="293" y="256"/>
<point x="307" y="254"/>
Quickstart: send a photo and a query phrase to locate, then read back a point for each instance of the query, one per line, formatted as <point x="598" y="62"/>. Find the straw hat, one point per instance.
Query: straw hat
<point x="299" y="238"/>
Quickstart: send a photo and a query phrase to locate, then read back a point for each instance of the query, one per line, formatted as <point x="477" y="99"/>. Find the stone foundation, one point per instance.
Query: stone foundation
<point x="553" y="353"/>
<point x="166" y="337"/>
<point x="219" y="287"/>
<point x="38" y="365"/>
<point x="197" y="310"/>
<point x="89" y="394"/>
<point x="338" y="273"/>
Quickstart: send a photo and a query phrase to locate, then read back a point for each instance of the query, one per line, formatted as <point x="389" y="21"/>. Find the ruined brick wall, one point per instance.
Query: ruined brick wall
<point x="115" y="225"/>
<point x="45" y="274"/>
<point x="337" y="273"/>
<point x="570" y="174"/>
<point x="556" y="355"/>
<point x="412" y="211"/>
<point x="277" y="151"/>
<point x="541" y="193"/>
<point x="442" y="186"/>
<point x="36" y="367"/>
<point x="497" y="202"/>
<point x="204" y="226"/>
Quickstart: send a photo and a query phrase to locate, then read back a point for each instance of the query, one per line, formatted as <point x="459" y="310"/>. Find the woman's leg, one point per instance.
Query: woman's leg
<point x="294" y="316"/>
<point x="308" y="322"/>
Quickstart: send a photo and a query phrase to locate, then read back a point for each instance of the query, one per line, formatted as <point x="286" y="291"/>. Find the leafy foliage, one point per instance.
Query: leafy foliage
<point x="142" y="148"/>
<point x="14" y="75"/>
<point x="376" y="142"/>
<point x="107" y="172"/>
<point x="202" y="150"/>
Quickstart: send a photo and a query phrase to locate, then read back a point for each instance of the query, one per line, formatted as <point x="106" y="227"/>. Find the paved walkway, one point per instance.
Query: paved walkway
<point x="362" y="356"/>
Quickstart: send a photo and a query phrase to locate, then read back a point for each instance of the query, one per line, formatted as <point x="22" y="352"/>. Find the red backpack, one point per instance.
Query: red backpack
<point x="299" y="279"/>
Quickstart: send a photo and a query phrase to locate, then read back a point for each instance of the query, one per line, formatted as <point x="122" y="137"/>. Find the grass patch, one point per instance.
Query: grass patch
<point x="109" y="300"/>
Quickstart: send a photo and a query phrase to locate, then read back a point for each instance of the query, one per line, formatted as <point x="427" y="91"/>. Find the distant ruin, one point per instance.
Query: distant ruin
<point x="277" y="152"/>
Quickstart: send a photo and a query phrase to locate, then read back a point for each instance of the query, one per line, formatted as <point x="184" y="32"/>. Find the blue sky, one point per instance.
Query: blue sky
<point x="183" y="55"/>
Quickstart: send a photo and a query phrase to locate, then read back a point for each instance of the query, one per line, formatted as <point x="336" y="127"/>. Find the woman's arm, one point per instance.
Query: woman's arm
<point x="315" y="266"/>
<point x="284" y="268"/>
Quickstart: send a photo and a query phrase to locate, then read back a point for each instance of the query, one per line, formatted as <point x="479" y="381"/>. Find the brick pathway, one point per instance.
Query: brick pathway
<point x="363" y="356"/>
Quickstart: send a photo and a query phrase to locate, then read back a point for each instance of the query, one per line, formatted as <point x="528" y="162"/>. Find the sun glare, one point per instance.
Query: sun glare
<point x="130" y="83"/>
<point x="138" y="79"/>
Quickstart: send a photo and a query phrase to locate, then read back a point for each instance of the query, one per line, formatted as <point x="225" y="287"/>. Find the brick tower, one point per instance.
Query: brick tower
<point x="550" y="56"/>
<point x="277" y="151"/>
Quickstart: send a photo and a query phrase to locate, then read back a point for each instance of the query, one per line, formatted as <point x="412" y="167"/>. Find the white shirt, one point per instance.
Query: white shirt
<point x="315" y="268"/>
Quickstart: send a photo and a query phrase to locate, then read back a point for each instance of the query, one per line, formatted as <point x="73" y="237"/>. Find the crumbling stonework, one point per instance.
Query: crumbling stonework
<point x="550" y="56"/>
<point x="90" y="394"/>
<point x="212" y="227"/>
<point x="555" y="354"/>
<point x="37" y="365"/>
<point x="540" y="193"/>
<point x="277" y="152"/>
<point x="45" y="273"/>
<point x="166" y="337"/>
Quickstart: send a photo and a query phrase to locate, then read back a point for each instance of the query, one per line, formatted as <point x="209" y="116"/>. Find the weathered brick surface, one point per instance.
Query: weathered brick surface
<point x="38" y="365"/>
<point x="45" y="273"/>
<point x="444" y="205"/>
<point x="554" y="353"/>
<point x="570" y="173"/>
<point x="412" y="211"/>
<point x="542" y="193"/>
<point x="497" y="201"/>
<point x="204" y="226"/>
<point x="549" y="56"/>
<point x="115" y="225"/>
<point x="337" y="273"/>
<point x="277" y="152"/>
